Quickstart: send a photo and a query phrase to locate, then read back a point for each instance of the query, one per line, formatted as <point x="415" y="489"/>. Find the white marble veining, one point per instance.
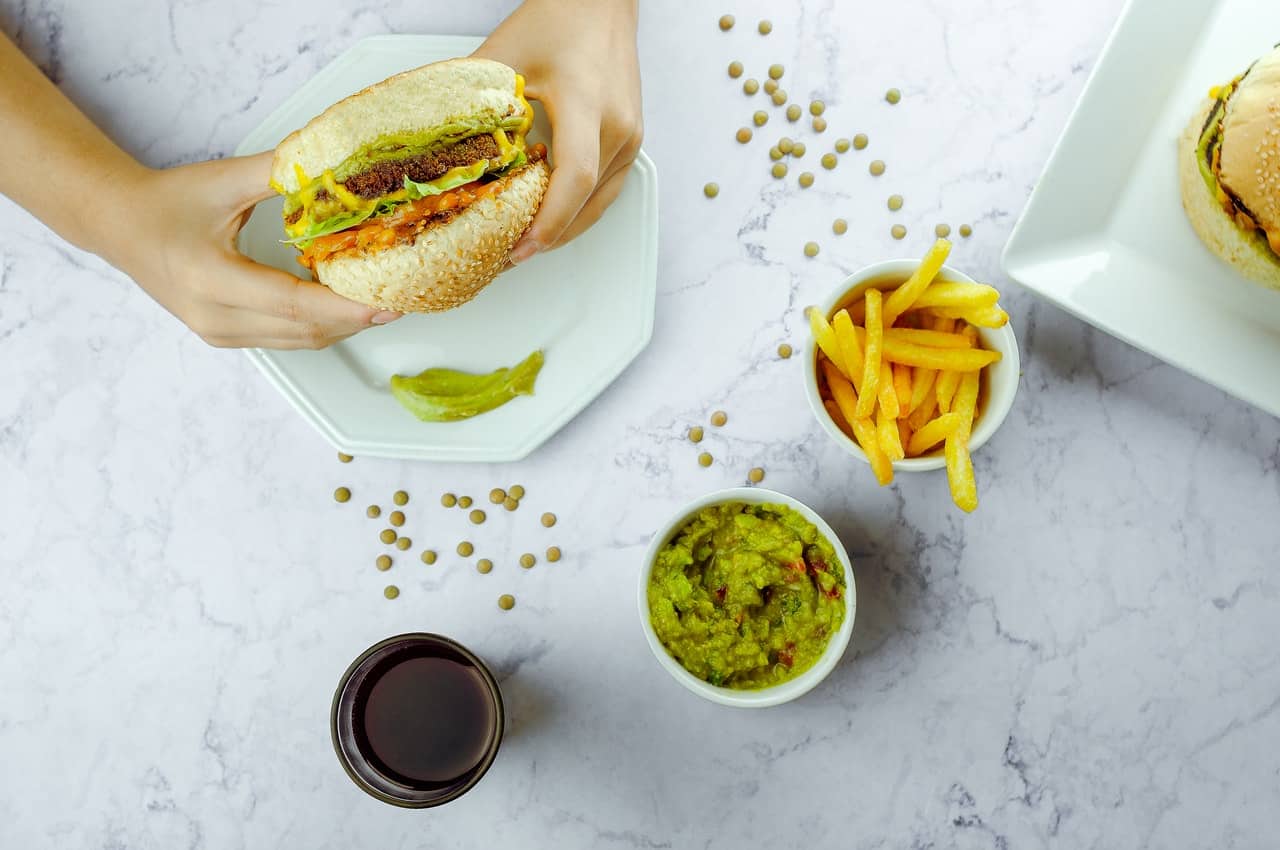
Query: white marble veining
<point x="1089" y="661"/>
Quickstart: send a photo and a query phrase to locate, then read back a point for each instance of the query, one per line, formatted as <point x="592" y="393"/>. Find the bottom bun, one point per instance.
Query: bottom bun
<point x="448" y="263"/>
<point x="1244" y="251"/>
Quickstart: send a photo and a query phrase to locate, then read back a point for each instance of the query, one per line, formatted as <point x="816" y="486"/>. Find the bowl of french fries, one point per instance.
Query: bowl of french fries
<point x="911" y="366"/>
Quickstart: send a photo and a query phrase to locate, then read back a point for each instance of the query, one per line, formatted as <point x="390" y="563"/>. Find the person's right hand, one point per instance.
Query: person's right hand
<point x="177" y="240"/>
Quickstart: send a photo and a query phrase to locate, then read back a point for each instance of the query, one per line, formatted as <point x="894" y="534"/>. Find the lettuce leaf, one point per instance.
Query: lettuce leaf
<point x="443" y="184"/>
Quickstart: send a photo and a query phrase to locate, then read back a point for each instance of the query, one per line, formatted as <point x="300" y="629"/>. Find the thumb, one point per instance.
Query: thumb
<point x="245" y="180"/>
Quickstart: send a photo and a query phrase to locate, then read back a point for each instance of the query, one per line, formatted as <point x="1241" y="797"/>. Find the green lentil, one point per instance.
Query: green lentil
<point x="817" y="107"/>
<point x="396" y="518"/>
<point x="860" y="141"/>
<point x="895" y="202"/>
<point x="760" y="118"/>
<point x="770" y="86"/>
<point x="527" y="560"/>
<point x="428" y="556"/>
<point x="711" y="190"/>
<point x="774" y="153"/>
<point x="750" y="86"/>
<point x="793" y="112"/>
<point x="776" y="72"/>
<point x="719" y="419"/>
<point x="548" y="520"/>
<point x="344" y="458"/>
<point x="403" y="544"/>
<point x="383" y="562"/>
<point x="842" y="145"/>
<point x="704" y="459"/>
<point x="400" y="497"/>
<point x="876" y="168"/>
<point x="785" y="144"/>
<point x="484" y="565"/>
<point x="506" y="602"/>
<point x="465" y="549"/>
<point x="819" y="125"/>
<point x="806" y="179"/>
<point x="464" y="502"/>
<point x="497" y="495"/>
<point x="510" y="503"/>
<point x="743" y="135"/>
<point x="756" y="475"/>
<point x="893" y="95"/>
<point x="797" y="150"/>
<point x="477" y="516"/>
<point x="391" y="591"/>
<point x="779" y="170"/>
<point x="726" y="22"/>
<point x="695" y="434"/>
<point x="839" y="227"/>
<point x="778" y="97"/>
<point x="735" y="69"/>
<point x="966" y="231"/>
<point x="765" y="27"/>
<point x="516" y="492"/>
<point x="342" y="494"/>
<point x="784" y="351"/>
<point x="829" y="161"/>
<point x="388" y="536"/>
<point x="373" y="512"/>
<point x="942" y="231"/>
<point x="811" y="249"/>
<point x="448" y="500"/>
<point x="898" y="231"/>
<point x="553" y="554"/>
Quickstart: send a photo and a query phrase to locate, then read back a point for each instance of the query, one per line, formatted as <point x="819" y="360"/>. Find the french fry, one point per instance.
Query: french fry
<point x="990" y="316"/>
<point x="947" y="383"/>
<point x="970" y="360"/>
<point x="842" y="393"/>
<point x="849" y="347"/>
<point x="965" y="403"/>
<point x="833" y="410"/>
<point x="904" y="432"/>
<point x="932" y="339"/>
<point x="902" y="386"/>
<point x="964" y="490"/>
<point x="824" y="336"/>
<point x="865" y="432"/>
<point x="904" y="296"/>
<point x="886" y="392"/>
<point x="887" y="433"/>
<point x="941" y="324"/>
<point x="933" y="433"/>
<point x="924" y="412"/>
<point x="871" y="357"/>
<point x="968" y="296"/>
<point x="921" y="382"/>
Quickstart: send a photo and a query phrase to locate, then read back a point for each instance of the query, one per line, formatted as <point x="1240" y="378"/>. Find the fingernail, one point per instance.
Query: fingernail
<point x="525" y="249"/>
<point x="385" y="317"/>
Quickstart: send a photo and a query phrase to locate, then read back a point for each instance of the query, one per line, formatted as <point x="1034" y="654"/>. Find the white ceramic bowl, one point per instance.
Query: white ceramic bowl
<point x="1001" y="377"/>
<point x="776" y="694"/>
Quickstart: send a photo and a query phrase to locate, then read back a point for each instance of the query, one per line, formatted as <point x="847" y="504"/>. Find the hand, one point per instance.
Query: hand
<point x="578" y="58"/>
<point x="178" y="242"/>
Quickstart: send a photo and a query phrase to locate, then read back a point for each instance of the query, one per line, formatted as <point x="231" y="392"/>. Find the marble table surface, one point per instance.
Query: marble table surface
<point x="1088" y="661"/>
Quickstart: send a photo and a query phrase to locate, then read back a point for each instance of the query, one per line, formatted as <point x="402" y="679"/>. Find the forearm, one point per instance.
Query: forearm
<point x="54" y="154"/>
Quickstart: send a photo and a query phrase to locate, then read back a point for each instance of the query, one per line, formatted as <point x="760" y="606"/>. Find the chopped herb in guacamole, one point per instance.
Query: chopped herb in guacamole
<point x="747" y="596"/>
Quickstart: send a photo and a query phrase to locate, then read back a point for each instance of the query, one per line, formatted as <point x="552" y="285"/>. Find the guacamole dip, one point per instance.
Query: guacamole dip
<point x="746" y="596"/>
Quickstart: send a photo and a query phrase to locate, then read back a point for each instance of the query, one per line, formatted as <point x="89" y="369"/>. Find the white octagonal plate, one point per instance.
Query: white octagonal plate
<point x="588" y="305"/>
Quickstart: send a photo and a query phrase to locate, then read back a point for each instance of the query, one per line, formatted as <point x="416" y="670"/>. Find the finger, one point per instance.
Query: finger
<point x="576" y="137"/>
<point x="605" y="195"/>
<point x="262" y="289"/>
<point x="247" y="328"/>
<point x="244" y="180"/>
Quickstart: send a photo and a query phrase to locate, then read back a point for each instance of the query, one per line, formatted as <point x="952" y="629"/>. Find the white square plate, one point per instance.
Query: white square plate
<point x="588" y="305"/>
<point x="1104" y="235"/>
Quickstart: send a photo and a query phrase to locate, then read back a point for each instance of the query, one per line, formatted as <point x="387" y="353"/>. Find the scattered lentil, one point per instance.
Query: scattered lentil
<point x="383" y="562"/>
<point x="756" y="475"/>
<point x="942" y="231"/>
<point x="829" y="161"/>
<point x="811" y="249"/>
<point x="779" y="170"/>
<point x="704" y="459"/>
<point x="895" y="202"/>
<point x="839" y="227"/>
<point x="860" y="141"/>
<point x="893" y="95"/>
<point x="396" y="518"/>
<point x="719" y="418"/>
<point x="464" y="502"/>
<point x="819" y="125"/>
<point x="784" y="351"/>
<point x="750" y="85"/>
<point x="711" y="190"/>
<point x="793" y="112"/>
<point x="506" y="602"/>
<point x="898" y="231"/>
<point x="806" y="179"/>
<point x="778" y="96"/>
<point x="776" y="72"/>
<point x="966" y="231"/>
<point x="553" y="553"/>
<point x="797" y="150"/>
<point x="484" y="565"/>
<point x="765" y="27"/>
<point x="428" y="556"/>
<point x="548" y="520"/>
<point x="403" y="544"/>
<point x="695" y="434"/>
<point x="743" y="135"/>
<point x="527" y="560"/>
<point x="770" y="86"/>
<point x="760" y="118"/>
<point x="516" y="492"/>
<point x="877" y="167"/>
<point x="448" y="500"/>
<point x="391" y="591"/>
<point x="465" y="549"/>
<point x="400" y="497"/>
<point x="785" y="144"/>
<point x="510" y="503"/>
<point x="388" y="536"/>
<point x="342" y="494"/>
<point x="373" y="512"/>
<point x="774" y="153"/>
<point x="344" y="458"/>
<point x="477" y="516"/>
<point x="817" y="107"/>
<point x="726" y="22"/>
<point x="842" y="145"/>
<point x="735" y="69"/>
<point x="497" y="495"/>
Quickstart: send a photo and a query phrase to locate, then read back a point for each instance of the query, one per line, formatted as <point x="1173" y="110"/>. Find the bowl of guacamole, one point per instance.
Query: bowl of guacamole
<point x="747" y="597"/>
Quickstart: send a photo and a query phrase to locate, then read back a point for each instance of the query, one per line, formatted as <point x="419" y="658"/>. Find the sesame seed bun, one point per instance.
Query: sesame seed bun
<point x="448" y="263"/>
<point x="1250" y="168"/>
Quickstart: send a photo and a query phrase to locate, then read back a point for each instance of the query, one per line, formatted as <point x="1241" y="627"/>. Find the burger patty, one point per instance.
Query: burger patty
<point x="383" y="178"/>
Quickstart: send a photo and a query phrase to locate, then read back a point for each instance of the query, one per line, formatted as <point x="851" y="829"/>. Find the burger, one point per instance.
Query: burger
<point x="410" y="194"/>
<point x="1229" y="165"/>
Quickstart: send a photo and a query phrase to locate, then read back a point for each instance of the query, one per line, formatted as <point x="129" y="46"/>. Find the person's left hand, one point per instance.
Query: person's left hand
<point x="579" y="61"/>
